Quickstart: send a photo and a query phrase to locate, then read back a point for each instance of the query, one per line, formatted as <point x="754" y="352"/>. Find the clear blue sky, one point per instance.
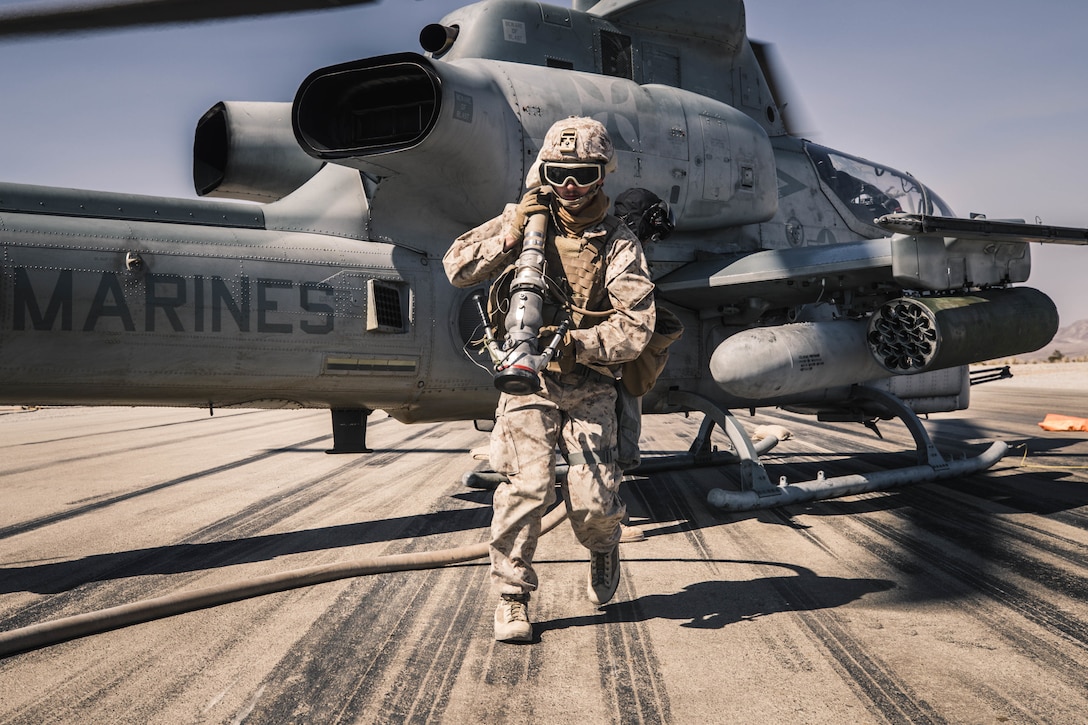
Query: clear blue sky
<point x="984" y="100"/>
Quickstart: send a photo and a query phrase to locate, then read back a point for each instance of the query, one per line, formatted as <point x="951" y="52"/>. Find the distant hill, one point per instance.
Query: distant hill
<point x="1071" y="341"/>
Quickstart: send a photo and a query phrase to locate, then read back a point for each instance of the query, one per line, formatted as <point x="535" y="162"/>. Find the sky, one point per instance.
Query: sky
<point x="985" y="101"/>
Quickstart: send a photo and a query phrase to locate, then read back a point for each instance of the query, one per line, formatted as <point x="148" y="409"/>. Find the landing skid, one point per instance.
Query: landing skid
<point x="701" y="454"/>
<point x="756" y="489"/>
<point x="757" y="492"/>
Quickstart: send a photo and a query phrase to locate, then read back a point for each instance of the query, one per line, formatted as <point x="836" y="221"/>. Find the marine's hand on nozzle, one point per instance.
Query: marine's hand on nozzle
<point x="558" y="345"/>
<point x="535" y="201"/>
<point x="565" y="354"/>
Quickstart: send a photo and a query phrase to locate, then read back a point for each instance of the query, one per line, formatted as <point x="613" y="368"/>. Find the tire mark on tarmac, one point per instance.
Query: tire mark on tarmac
<point x="104" y="580"/>
<point x="377" y="649"/>
<point x="374" y="641"/>
<point x="1001" y="596"/>
<point x="665" y="497"/>
<point x="43" y="521"/>
<point x="876" y="683"/>
<point x="435" y="662"/>
<point x="132" y="429"/>
<point x="130" y="448"/>
<point x="628" y="666"/>
<point x="980" y="531"/>
<point x="628" y="669"/>
<point x="993" y="612"/>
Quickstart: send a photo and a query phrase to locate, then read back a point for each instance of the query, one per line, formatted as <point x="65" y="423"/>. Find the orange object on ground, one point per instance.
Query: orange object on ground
<point x="1053" y="421"/>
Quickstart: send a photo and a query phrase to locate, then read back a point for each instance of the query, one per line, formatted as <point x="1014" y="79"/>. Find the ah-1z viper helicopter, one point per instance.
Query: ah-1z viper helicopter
<point x="806" y="278"/>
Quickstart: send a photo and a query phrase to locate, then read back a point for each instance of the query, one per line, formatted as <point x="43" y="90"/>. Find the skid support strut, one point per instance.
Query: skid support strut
<point x="931" y="466"/>
<point x="753" y="477"/>
<point x="701" y="454"/>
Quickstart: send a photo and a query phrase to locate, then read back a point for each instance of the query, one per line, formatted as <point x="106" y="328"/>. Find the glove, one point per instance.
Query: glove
<point x="566" y="353"/>
<point x="535" y="201"/>
<point x="563" y="361"/>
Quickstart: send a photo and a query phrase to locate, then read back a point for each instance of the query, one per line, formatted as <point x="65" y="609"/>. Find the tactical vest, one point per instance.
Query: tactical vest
<point x="575" y="271"/>
<point x="576" y="274"/>
<point x="576" y="266"/>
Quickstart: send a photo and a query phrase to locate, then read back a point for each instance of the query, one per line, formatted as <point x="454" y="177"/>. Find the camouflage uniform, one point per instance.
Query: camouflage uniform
<point x="576" y="410"/>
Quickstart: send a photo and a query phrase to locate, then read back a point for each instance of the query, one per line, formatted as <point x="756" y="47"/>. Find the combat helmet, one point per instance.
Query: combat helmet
<point x="578" y="139"/>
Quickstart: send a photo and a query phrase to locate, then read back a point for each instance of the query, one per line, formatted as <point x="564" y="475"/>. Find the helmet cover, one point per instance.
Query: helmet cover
<point x="578" y="140"/>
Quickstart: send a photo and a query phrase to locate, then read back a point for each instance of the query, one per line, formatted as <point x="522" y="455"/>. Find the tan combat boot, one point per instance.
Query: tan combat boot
<point x="512" y="619"/>
<point x="604" y="575"/>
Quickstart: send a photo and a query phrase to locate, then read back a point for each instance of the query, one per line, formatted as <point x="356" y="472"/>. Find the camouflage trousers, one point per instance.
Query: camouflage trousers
<point x="577" y="414"/>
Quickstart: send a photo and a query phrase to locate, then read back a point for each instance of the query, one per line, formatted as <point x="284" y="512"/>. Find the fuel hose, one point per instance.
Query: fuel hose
<point x="82" y="625"/>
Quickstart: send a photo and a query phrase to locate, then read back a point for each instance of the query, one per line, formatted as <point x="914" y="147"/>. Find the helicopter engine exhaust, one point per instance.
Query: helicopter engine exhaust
<point x="915" y="334"/>
<point x="418" y="128"/>
<point x="245" y="150"/>
<point x="367" y="107"/>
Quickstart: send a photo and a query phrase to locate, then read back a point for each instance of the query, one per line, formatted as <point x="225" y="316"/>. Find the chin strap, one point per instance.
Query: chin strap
<point x="574" y="205"/>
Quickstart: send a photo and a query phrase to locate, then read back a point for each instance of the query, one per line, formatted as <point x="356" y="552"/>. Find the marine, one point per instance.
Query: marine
<point x="603" y="287"/>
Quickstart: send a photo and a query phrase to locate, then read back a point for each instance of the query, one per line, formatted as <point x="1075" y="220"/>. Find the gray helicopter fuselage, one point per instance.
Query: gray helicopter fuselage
<point x="332" y="294"/>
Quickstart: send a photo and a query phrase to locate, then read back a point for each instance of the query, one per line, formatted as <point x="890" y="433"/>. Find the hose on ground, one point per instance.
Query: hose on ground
<point x="82" y="625"/>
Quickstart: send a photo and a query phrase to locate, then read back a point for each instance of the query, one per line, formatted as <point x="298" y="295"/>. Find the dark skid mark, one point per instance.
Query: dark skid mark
<point x="380" y="630"/>
<point x="43" y="521"/>
<point x="131" y="448"/>
<point x="629" y="670"/>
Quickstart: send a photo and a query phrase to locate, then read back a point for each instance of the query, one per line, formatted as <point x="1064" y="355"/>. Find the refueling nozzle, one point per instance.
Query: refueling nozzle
<point x="518" y="361"/>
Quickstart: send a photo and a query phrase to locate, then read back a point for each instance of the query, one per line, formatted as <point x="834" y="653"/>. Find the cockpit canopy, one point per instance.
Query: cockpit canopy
<point x="868" y="190"/>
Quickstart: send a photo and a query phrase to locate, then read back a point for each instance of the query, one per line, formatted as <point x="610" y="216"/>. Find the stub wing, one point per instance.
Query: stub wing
<point x="786" y="276"/>
<point x="981" y="229"/>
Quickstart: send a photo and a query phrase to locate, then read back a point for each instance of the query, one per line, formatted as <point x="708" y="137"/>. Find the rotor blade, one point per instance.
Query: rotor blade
<point x="794" y="116"/>
<point x="86" y="17"/>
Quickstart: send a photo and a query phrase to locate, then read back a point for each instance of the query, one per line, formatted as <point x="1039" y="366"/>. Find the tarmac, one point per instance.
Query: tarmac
<point x="960" y="601"/>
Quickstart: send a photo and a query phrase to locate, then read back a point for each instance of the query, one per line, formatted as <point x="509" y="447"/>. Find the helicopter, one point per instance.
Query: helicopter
<point x="806" y="277"/>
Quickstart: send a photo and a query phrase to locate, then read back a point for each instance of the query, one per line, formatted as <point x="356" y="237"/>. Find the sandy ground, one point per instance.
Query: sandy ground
<point x="956" y="601"/>
<point x="1051" y="375"/>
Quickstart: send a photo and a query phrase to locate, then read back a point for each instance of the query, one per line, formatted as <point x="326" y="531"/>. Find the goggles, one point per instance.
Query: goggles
<point x="557" y="174"/>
